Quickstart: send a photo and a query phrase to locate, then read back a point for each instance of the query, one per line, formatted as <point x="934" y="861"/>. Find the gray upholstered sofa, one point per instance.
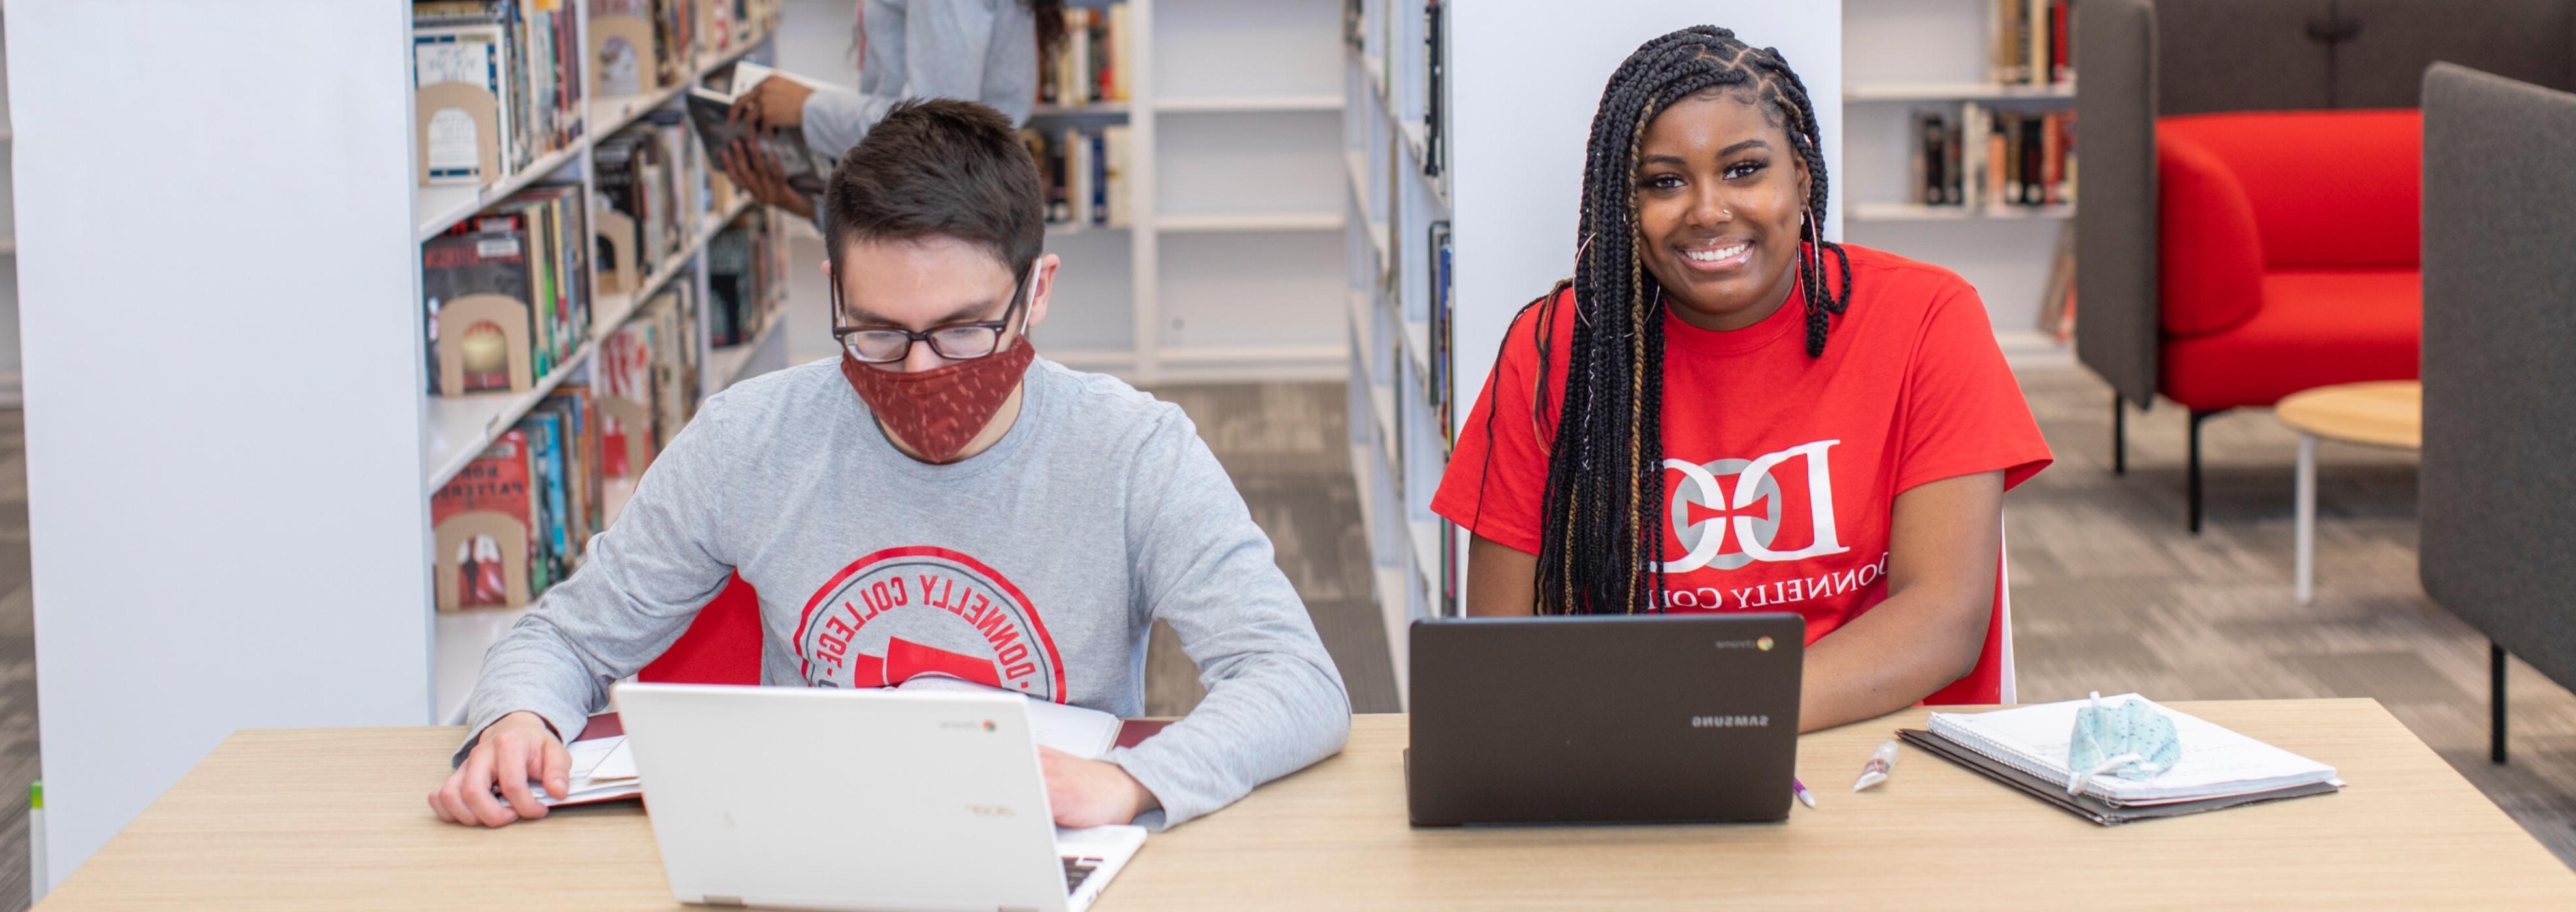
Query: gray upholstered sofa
<point x="2498" y="489"/>
<point x="2139" y="60"/>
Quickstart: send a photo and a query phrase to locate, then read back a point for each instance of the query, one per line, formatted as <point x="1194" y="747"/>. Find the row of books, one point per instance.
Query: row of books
<point x="497" y="522"/>
<point x="1982" y="157"/>
<point x="497" y="83"/>
<point x="1441" y="385"/>
<point x="517" y="518"/>
<point x="1086" y="173"/>
<point x="646" y="45"/>
<point x="746" y="275"/>
<point x="648" y="371"/>
<point x="506" y="291"/>
<point x="1435" y="110"/>
<point x="1092" y="64"/>
<point x="2030" y="43"/>
<point x="642" y="175"/>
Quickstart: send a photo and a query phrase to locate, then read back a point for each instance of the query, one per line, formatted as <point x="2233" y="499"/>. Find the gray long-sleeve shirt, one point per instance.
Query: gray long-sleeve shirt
<point x="973" y="50"/>
<point x="1036" y="566"/>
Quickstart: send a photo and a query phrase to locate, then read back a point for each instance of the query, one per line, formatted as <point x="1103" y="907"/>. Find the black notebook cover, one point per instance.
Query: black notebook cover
<point x="2087" y="806"/>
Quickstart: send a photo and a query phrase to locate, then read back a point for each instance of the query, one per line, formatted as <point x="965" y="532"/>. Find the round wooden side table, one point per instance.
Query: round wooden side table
<point x="2388" y="413"/>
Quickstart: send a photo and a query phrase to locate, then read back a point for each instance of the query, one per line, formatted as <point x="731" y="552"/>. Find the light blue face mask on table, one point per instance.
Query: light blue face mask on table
<point x="2130" y="740"/>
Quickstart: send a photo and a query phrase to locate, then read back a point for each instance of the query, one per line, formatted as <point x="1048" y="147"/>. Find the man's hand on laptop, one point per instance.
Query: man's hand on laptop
<point x="514" y="750"/>
<point x="1090" y="793"/>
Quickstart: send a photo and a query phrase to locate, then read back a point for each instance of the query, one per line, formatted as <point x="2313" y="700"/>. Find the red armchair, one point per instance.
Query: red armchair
<point x="2288" y="256"/>
<point x="721" y="646"/>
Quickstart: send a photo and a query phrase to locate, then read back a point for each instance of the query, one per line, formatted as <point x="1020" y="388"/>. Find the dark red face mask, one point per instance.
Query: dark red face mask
<point x="935" y="412"/>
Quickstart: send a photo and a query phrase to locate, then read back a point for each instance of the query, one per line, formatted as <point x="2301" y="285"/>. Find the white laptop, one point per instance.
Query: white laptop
<point x="815" y="798"/>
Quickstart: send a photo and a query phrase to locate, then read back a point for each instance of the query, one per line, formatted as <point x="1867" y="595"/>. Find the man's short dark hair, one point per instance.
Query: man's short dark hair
<point x="944" y="168"/>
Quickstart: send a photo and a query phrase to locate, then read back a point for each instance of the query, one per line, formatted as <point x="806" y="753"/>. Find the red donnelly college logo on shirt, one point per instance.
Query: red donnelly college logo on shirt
<point x="906" y="611"/>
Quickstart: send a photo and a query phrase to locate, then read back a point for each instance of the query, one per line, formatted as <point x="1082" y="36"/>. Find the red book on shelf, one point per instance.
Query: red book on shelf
<point x="2060" y="69"/>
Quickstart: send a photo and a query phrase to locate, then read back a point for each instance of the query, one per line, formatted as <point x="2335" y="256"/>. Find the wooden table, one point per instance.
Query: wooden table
<point x="2384" y="414"/>
<point x="335" y="819"/>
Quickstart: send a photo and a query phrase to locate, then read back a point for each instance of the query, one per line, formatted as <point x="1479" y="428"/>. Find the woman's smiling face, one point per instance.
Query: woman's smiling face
<point x="1721" y="196"/>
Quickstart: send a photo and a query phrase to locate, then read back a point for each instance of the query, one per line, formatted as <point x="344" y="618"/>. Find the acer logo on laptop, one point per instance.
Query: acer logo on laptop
<point x="1730" y="721"/>
<point x="990" y="810"/>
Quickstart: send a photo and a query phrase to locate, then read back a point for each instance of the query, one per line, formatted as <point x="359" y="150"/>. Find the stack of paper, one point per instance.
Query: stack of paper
<point x="2027" y="747"/>
<point x="603" y="769"/>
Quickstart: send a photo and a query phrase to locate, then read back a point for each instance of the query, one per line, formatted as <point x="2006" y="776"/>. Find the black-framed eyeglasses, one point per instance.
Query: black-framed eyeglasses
<point x="952" y="341"/>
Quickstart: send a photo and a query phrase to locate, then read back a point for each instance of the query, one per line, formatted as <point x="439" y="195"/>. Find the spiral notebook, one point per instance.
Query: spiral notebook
<point x="2026" y="747"/>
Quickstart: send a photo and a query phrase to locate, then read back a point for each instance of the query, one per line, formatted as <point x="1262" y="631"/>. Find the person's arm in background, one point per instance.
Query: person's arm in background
<point x="1275" y="702"/>
<point x="945" y="44"/>
<point x="641" y="583"/>
<point x="944" y="48"/>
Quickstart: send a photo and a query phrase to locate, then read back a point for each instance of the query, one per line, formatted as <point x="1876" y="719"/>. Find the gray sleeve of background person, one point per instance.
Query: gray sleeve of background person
<point x="1275" y="703"/>
<point x="641" y="583"/>
<point x="945" y="43"/>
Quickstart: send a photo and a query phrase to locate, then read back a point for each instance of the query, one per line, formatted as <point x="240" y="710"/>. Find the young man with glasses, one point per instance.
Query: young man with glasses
<point x="938" y="501"/>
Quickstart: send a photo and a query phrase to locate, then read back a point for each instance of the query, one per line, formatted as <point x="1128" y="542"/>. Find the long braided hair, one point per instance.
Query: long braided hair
<point x="1601" y="546"/>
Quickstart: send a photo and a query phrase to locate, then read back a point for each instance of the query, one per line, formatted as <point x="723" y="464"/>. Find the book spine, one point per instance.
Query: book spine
<point x="2052" y="159"/>
<point x="1099" y="181"/>
<point x="1954" y="184"/>
<point x="1998" y="161"/>
<point x="2064" y="66"/>
<point x="1972" y="155"/>
<point x="2012" y="159"/>
<point x="1918" y="170"/>
<point x="2034" y="181"/>
<point x="2035" y="36"/>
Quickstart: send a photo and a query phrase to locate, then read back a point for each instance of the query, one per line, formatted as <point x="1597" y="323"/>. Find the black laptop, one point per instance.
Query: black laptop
<point x="1656" y="718"/>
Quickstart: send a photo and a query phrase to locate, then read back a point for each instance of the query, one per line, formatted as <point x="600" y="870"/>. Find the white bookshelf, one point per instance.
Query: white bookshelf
<point x="1520" y="104"/>
<point x="1903" y="55"/>
<point x="1248" y="104"/>
<point x="1234" y="183"/>
<point x="249" y="405"/>
<point x="1900" y="90"/>
<point x="1918" y="212"/>
<point x="1252" y="221"/>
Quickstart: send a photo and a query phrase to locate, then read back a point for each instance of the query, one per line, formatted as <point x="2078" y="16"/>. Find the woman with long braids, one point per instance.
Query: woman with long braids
<point x="1723" y="411"/>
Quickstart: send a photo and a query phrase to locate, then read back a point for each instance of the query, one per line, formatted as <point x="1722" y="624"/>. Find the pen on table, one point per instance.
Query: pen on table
<point x="1881" y="761"/>
<point x="1800" y="789"/>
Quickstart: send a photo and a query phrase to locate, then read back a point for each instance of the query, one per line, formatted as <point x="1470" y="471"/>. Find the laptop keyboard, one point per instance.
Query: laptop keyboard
<point x="1077" y="870"/>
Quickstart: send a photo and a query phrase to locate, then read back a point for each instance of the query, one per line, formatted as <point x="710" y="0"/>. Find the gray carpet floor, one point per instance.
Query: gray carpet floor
<point x="2109" y="591"/>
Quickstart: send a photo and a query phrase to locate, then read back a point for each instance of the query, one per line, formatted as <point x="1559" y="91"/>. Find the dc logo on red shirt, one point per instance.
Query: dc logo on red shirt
<point x="1728" y="512"/>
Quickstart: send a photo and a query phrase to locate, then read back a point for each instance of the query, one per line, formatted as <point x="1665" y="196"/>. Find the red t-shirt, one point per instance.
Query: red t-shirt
<point x="1911" y="389"/>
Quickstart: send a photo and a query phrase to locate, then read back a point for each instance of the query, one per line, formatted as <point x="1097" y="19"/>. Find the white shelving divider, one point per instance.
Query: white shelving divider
<point x="1235" y="167"/>
<point x="9" y="376"/>
<point x="1231" y="197"/>
<point x="1524" y="77"/>
<point x="230" y="455"/>
<point x="1900" y="55"/>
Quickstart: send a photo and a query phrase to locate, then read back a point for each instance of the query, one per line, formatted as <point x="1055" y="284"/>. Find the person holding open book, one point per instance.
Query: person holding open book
<point x="941" y="501"/>
<point x="974" y="50"/>
<point x="1723" y="411"/>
